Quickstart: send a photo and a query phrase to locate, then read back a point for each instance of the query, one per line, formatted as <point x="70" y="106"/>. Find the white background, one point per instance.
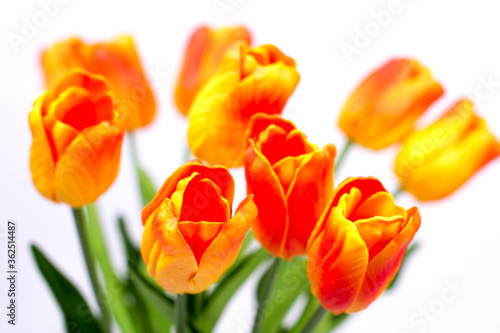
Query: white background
<point x="458" y="40"/>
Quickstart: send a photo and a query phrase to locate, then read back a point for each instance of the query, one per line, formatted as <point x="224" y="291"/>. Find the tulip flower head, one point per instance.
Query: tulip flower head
<point x="118" y="62"/>
<point x="383" y="109"/>
<point x="77" y="137"/>
<point x="249" y="80"/>
<point x="292" y="183"/>
<point x="202" y="58"/>
<point x="358" y="244"/>
<point x="189" y="237"/>
<point x="436" y="161"/>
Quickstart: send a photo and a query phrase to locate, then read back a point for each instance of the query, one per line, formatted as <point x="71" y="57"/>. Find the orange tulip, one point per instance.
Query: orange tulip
<point x="248" y="81"/>
<point x="358" y="245"/>
<point x="189" y="237"/>
<point x="116" y="60"/>
<point x="292" y="182"/>
<point x="439" y="159"/>
<point x="77" y="138"/>
<point x="382" y="110"/>
<point x="202" y="58"/>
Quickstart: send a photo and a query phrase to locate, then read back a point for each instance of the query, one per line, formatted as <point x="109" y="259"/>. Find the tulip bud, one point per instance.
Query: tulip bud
<point x="291" y="180"/>
<point x="118" y="62"/>
<point x="248" y="81"/>
<point x="383" y="109"/>
<point x="358" y="244"/>
<point x="189" y="237"/>
<point x="436" y="161"/>
<point x="77" y="138"/>
<point x="202" y="58"/>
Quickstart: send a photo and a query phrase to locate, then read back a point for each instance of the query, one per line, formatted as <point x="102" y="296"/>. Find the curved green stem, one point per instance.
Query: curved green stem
<point x="315" y="319"/>
<point x="180" y="313"/>
<point x="266" y="293"/>
<point x="342" y="155"/>
<point x="81" y="225"/>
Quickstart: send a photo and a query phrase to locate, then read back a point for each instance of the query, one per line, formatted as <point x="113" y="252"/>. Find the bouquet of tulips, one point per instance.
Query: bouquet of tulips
<point x="342" y="246"/>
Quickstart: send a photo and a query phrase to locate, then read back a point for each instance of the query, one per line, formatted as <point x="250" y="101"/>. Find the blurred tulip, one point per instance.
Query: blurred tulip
<point x="358" y="245"/>
<point x="439" y="159"/>
<point x="202" y="58"/>
<point x="116" y="60"/>
<point x="77" y="138"/>
<point x="189" y="237"/>
<point x="292" y="183"/>
<point x="382" y="110"/>
<point x="253" y="80"/>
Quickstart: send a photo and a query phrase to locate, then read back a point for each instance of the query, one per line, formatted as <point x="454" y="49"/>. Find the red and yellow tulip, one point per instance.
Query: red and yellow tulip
<point x="202" y="58"/>
<point x="292" y="183"/>
<point x="358" y="244"/>
<point x="384" y="107"/>
<point x="436" y="161"/>
<point x="249" y="80"/>
<point x="118" y="62"/>
<point x="190" y="238"/>
<point x="77" y="137"/>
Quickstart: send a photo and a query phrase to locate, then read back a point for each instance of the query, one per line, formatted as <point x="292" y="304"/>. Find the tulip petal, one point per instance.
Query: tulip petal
<point x="271" y="226"/>
<point x="166" y="253"/>
<point x="337" y="263"/>
<point x="218" y="174"/>
<point x="307" y="197"/>
<point x="90" y="162"/>
<point x="384" y="266"/>
<point x="199" y="235"/>
<point x="366" y="185"/>
<point x="378" y="204"/>
<point x="224" y="249"/>
<point x="42" y="159"/>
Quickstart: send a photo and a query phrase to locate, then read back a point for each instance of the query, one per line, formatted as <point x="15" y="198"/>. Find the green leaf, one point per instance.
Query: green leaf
<point x="290" y="283"/>
<point x="144" y="311"/>
<point x="226" y="288"/>
<point x="160" y="301"/>
<point x="411" y="249"/>
<point x="77" y="314"/>
<point x="148" y="190"/>
<point x="133" y="253"/>
<point x="115" y="287"/>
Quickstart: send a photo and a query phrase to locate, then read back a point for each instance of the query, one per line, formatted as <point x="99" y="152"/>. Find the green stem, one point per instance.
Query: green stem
<point x="180" y="313"/>
<point x="315" y="319"/>
<point x="397" y="192"/>
<point x="342" y="155"/>
<point x="266" y="293"/>
<point x="115" y="289"/>
<point x="187" y="154"/>
<point x="81" y="225"/>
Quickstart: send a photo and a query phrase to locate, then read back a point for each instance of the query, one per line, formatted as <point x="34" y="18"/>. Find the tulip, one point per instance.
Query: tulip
<point x="436" y="161"/>
<point x="202" y="58"/>
<point x="383" y="109"/>
<point x="189" y="237"/>
<point x="358" y="244"/>
<point x="77" y="137"/>
<point x="116" y="60"/>
<point x="292" y="183"/>
<point x="248" y="81"/>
